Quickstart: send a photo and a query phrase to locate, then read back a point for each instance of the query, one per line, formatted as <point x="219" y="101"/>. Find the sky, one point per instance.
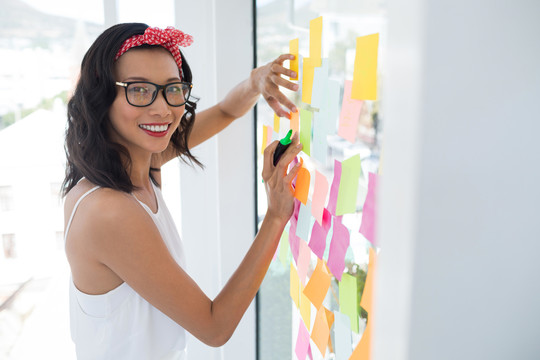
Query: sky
<point x="92" y="10"/>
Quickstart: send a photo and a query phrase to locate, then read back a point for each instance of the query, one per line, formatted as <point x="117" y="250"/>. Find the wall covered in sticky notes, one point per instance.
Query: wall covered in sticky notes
<point x="316" y="298"/>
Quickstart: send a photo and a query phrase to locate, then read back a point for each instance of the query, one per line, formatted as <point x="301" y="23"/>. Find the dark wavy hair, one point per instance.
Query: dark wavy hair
<point x="89" y="150"/>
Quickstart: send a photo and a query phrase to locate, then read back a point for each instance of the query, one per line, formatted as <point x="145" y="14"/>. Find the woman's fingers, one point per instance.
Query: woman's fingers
<point x="281" y="70"/>
<point x="268" y="165"/>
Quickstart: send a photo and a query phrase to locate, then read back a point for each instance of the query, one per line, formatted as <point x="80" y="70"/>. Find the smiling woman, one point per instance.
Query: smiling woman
<point x="130" y="294"/>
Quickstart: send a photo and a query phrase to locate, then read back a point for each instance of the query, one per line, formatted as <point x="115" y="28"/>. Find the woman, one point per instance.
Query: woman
<point x="130" y="296"/>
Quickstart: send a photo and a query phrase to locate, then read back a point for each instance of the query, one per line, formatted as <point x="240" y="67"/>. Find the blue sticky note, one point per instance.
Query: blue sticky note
<point x="319" y="146"/>
<point x="342" y="336"/>
<point x="304" y="221"/>
<point x="334" y="105"/>
<point x="320" y="86"/>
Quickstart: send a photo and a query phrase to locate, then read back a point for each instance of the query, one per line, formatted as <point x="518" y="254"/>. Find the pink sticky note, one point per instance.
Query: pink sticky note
<point x="319" y="196"/>
<point x="293" y="239"/>
<point x="369" y="214"/>
<point x="338" y="248"/>
<point x="317" y="243"/>
<point x="302" y="342"/>
<point x="269" y="135"/>
<point x="304" y="256"/>
<point x="334" y="190"/>
<point x="350" y="114"/>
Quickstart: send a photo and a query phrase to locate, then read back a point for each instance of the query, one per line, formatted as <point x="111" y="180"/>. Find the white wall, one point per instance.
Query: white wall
<point x="218" y="203"/>
<point x="459" y="226"/>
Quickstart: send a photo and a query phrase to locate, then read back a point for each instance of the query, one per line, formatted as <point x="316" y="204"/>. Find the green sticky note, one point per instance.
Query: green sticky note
<point x="305" y="130"/>
<point x="348" y="299"/>
<point x="284" y="249"/>
<point x="348" y="187"/>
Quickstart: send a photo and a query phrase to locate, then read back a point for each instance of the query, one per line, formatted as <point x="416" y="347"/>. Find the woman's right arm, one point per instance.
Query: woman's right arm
<point x="125" y="239"/>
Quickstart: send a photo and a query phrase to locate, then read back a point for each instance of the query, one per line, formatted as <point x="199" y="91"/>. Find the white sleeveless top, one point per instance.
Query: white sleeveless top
<point x="121" y="324"/>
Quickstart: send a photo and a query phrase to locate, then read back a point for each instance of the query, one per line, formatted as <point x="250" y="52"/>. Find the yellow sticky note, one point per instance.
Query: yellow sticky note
<point x="321" y="331"/>
<point x="305" y="310"/>
<point x="276" y="123"/>
<point x="315" y="41"/>
<point x="364" y="85"/>
<point x="265" y="136"/>
<point x="318" y="284"/>
<point x="293" y="49"/>
<point x="295" y="286"/>
<point x="308" y="72"/>
<point x="367" y="295"/>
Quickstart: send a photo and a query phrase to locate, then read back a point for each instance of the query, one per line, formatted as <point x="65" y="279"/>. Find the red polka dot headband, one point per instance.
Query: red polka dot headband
<point x="170" y="38"/>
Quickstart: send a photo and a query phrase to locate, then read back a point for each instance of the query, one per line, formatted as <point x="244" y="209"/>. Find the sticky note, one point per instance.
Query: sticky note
<point x="304" y="257"/>
<point x="319" y="145"/>
<point x="365" y="68"/>
<point x="305" y="309"/>
<point x="320" y="190"/>
<point x="321" y="331"/>
<point x="342" y="336"/>
<point x="334" y="189"/>
<point x="367" y="295"/>
<point x="348" y="299"/>
<point x="329" y="317"/>
<point x="304" y="221"/>
<point x="294" y="286"/>
<point x="308" y="72"/>
<point x="348" y="187"/>
<point x="293" y="239"/>
<point x="305" y="130"/>
<point x="363" y="349"/>
<point x="276" y="123"/>
<point x="369" y="216"/>
<point x="350" y="115"/>
<point x="284" y="248"/>
<point x="264" y="138"/>
<point x="319" y="233"/>
<point x="318" y="284"/>
<point x="320" y="85"/>
<point x="338" y="248"/>
<point x="302" y="342"/>
<point x="315" y="40"/>
<point x="293" y="49"/>
<point x="302" y="185"/>
<point x="295" y="121"/>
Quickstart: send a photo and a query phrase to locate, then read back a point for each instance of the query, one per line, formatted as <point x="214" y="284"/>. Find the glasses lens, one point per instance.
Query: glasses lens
<point x="177" y="94"/>
<point x="141" y="94"/>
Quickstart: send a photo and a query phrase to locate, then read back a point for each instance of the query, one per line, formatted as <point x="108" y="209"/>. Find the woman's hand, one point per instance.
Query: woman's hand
<point x="278" y="183"/>
<point x="267" y="79"/>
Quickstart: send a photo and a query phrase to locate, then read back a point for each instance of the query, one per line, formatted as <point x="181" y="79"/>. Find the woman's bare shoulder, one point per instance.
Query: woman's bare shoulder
<point x="102" y="207"/>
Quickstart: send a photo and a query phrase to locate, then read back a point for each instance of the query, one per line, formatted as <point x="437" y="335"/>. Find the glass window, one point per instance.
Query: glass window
<point x="278" y="22"/>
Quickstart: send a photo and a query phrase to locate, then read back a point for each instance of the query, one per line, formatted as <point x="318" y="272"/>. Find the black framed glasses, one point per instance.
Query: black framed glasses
<point x="143" y="93"/>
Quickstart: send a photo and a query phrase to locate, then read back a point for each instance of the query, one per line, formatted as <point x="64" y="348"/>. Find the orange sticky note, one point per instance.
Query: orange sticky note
<point x="367" y="295"/>
<point x="321" y="331"/>
<point x="305" y="310"/>
<point x="365" y="68"/>
<point x="315" y="41"/>
<point x="318" y="284"/>
<point x="302" y="185"/>
<point x="363" y="349"/>
<point x="308" y="72"/>
<point x="295" y="286"/>
<point x="295" y="121"/>
<point x="264" y="138"/>
<point x="293" y="49"/>
<point x="276" y="123"/>
<point x="329" y="317"/>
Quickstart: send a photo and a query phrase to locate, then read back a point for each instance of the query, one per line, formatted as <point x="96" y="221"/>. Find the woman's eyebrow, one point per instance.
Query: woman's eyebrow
<point x="140" y="78"/>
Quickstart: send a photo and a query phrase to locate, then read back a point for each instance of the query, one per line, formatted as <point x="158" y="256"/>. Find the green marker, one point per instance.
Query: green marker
<point x="282" y="146"/>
